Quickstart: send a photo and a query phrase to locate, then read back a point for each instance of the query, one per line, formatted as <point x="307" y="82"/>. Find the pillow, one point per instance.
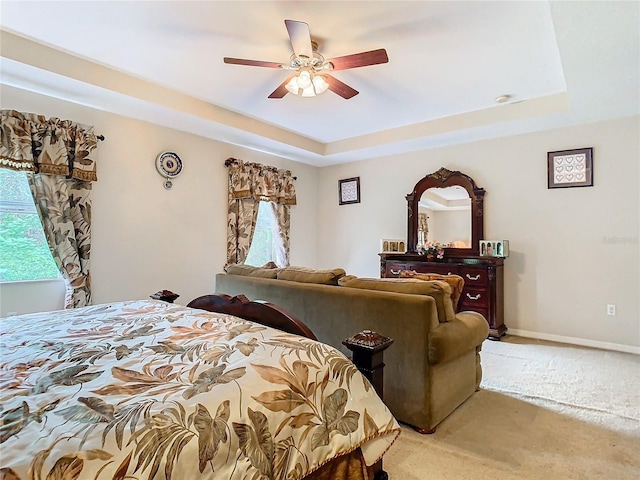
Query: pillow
<point x="251" y="271"/>
<point x="456" y="282"/>
<point x="439" y="290"/>
<point x="309" y="275"/>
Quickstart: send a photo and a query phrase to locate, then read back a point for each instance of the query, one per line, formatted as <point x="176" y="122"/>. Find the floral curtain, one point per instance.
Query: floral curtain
<point x="55" y="155"/>
<point x="249" y="184"/>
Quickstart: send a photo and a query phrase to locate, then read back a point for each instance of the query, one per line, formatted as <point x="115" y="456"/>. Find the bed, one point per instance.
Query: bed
<point x="153" y="390"/>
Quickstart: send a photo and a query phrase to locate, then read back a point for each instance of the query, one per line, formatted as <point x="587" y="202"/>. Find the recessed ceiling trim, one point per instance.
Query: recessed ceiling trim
<point x="528" y="109"/>
<point x="40" y="56"/>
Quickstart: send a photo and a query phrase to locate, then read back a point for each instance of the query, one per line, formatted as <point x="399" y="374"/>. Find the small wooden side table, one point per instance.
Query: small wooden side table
<point x="368" y="354"/>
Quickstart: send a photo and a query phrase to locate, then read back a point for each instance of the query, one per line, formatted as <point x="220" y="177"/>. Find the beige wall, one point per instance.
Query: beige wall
<point x="146" y="238"/>
<point x="573" y="250"/>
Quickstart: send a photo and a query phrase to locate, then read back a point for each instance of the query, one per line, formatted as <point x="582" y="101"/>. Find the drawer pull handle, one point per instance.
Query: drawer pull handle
<point x="477" y="277"/>
<point x="395" y="273"/>
<point x="473" y="298"/>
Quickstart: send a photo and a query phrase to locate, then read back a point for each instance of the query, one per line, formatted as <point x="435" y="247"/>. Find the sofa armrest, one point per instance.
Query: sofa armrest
<point x="453" y="339"/>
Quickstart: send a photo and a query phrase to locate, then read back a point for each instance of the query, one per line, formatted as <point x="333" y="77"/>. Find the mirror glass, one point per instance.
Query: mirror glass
<point x="444" y="216"/>
<point x="446" y="207"/>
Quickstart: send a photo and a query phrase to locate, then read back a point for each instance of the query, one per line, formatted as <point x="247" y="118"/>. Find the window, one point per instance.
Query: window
<point x="266" y="245"/>
<point x="24" y="253"/>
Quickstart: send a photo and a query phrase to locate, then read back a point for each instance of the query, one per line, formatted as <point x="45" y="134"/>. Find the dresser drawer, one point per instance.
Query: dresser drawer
<point x="474" y="297"/>
<point x="434" y="267"/>
<point x="474" y="277"/>
<point x="394" y="269"/>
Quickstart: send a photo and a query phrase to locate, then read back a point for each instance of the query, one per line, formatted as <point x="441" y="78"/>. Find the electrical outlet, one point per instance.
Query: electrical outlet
<point x="611" y="310"/>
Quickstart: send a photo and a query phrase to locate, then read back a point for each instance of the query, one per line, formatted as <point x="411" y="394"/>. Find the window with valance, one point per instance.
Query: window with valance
<point x="55" y="155"/>
<point x="250" y="184"/>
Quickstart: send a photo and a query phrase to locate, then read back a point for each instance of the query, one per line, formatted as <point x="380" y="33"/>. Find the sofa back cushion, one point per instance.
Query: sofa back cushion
<point x="310" y="275"/>
<point x="440" y="291"/>
<point x="456" y="282"/>
<point x="251" y="271"/>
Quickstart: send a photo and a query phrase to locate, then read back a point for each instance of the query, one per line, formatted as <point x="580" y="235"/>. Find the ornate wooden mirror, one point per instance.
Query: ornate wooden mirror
<point x="443" y="188"/>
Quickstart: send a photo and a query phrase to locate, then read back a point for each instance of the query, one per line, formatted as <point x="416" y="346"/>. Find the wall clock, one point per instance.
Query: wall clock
<point x="169" y="166"/>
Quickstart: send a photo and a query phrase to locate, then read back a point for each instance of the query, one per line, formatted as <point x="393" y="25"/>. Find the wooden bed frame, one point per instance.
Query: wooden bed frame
<point x="367" y="346"/>
<point x="258" y="311"/>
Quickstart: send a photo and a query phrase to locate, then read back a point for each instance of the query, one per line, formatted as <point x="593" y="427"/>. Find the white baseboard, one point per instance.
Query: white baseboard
<point x="575" y="341"/>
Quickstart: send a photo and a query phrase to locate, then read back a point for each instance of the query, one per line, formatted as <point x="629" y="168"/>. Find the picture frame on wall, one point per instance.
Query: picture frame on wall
<point x="570" y="168"/>
<point x="349" y="190"/>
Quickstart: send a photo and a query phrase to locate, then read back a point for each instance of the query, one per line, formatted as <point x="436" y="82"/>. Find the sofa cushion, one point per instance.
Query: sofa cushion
<point x="310" y="275"/>
<point x="251" y="271"/>
<point x="453" y="339"/>
<point x="456" y="282"/>
<point x="439" y="290"/>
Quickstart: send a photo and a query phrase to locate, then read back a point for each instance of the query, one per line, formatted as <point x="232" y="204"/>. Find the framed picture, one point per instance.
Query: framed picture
<point x="349" y="190"/>
<point x="392" y="245"/>
<point x="570" y="168"/>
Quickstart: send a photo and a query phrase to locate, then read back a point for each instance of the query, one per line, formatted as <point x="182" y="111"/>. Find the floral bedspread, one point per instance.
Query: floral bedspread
<point x="152" y="390"/>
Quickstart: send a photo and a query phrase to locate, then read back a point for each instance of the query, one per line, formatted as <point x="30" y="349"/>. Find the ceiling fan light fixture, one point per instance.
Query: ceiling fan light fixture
<point x="304" y="79"/>
<point x="320" y="85"/>
<point x="307" y="84"/>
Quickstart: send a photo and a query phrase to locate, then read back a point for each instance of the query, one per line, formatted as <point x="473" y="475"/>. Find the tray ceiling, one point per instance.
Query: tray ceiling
<point x="561" y="63"/>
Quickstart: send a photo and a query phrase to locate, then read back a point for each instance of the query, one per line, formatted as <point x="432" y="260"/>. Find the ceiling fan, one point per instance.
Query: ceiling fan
<point x="311" y="77"/>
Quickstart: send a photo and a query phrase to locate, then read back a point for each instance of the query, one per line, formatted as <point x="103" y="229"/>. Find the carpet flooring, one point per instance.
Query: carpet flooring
<point x="545" y="411"/>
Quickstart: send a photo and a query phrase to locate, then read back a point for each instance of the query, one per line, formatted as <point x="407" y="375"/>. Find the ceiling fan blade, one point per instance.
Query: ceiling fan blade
<point x="281" y="91"/>
<point x="374" y="57"/>
<point x="341" y="88"/>
<point x="251" y="63"/>
<point x="300" y="37"/>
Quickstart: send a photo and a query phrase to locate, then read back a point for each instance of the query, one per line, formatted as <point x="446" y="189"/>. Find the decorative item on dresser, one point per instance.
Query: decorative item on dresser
<point x="483" y="276"/>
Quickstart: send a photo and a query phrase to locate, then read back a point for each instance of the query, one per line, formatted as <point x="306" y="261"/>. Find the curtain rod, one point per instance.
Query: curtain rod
<point x="231" y="161"/>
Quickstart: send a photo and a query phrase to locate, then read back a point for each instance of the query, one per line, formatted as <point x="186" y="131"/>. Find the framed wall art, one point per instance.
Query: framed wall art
<point x="349" y="190"/>
<point x="570" y="168"/>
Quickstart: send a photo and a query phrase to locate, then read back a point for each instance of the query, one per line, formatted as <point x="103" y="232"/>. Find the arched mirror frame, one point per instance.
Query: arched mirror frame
<point x="440" y="179"/>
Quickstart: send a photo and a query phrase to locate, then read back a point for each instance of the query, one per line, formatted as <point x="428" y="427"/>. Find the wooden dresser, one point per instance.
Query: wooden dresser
<point x="483" y="282"/>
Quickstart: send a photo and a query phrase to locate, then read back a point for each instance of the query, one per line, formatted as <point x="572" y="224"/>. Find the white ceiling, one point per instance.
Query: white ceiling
<point x="562" y="63"/>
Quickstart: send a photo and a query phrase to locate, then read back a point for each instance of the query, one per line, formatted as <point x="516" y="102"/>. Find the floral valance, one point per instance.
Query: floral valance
<point x="33" y="143"/>
<point x="260" y="182"/>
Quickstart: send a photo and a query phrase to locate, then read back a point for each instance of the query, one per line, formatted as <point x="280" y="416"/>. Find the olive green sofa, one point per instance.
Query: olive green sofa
<point x="433" y="365"/>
